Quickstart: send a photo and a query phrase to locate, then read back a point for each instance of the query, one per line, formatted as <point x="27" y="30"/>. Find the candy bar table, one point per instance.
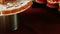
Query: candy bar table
<point x="38" y="20"/>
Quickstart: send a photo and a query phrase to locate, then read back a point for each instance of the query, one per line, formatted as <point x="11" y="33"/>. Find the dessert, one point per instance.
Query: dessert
<point x="52" y="3"/>
<point x="9" y="7"/>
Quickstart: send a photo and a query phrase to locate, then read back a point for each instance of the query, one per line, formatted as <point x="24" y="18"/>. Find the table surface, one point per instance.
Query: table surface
<point x="38" y="20"/>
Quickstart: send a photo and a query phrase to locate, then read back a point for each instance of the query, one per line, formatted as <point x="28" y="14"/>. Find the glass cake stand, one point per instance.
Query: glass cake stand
<point x="9" y="19"/>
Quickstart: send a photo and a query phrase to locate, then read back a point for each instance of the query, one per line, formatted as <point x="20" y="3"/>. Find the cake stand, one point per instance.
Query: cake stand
<point x="8" y="14"/>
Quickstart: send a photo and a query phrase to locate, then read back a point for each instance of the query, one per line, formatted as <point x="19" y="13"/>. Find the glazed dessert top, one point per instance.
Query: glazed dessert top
<point x="13" y="5"/>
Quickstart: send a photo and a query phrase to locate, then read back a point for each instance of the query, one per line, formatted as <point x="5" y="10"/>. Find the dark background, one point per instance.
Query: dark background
<point x="38" y="19"/>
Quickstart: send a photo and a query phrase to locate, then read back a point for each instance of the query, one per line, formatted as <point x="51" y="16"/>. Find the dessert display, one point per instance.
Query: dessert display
<point x="50" y="3"/>
<point x="9" y="7"/>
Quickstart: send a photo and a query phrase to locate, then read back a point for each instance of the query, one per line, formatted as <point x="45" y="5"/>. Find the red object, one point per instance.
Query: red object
<point x="51" y="5"/>
<point x="40" y="1"/>
<point x="59" y="8"/>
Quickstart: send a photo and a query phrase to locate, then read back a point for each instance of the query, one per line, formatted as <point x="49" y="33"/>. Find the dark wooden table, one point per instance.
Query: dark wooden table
<point x="38" y="19"/>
